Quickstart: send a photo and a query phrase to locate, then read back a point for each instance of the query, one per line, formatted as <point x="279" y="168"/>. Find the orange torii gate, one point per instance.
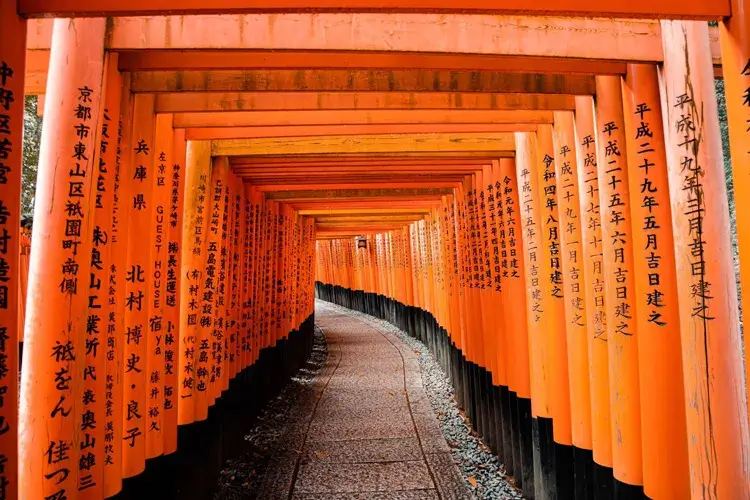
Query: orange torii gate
<point x="566" y="259"/>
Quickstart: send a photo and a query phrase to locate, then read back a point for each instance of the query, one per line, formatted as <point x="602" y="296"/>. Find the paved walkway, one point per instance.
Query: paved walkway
<point x="366" y="431"/>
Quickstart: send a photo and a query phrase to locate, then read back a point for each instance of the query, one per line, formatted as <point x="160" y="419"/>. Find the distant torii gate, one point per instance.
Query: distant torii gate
<point x="186" y="172"/>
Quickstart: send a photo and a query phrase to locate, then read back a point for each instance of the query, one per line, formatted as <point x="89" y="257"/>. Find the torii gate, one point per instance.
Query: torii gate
<point x="408" y="110"/>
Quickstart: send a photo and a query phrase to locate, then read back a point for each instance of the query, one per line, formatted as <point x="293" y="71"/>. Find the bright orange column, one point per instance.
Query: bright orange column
<point x="118" y="270"/>
<point x="55" y="330"/>
<point x="593" y="268"/>
<point x="734" y="34"/>
<point x="207" y="350"/>
<point x="173" y="289"/>
<point x="140" y="175"/>
<point x="12" y="69"/>
<point x="194" y="238"/>
<point x="559" y="388"/>
<point x="572" y="257"/>
<point x="665" y="461"/>
<point x="156" y="280"/>
<point x="619" y="285"/>
<point x="716" y="402"/>
<point x="98" y="410"/>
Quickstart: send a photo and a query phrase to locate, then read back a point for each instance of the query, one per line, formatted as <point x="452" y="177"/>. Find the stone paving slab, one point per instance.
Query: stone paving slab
<point x="368" y="432"/>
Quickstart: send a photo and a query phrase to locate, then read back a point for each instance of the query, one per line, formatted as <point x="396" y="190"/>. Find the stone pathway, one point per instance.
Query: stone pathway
<point x="367" y="431"/>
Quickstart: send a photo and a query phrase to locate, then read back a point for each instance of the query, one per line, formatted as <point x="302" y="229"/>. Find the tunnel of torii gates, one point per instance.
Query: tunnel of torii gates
<point x="534" y="189"/>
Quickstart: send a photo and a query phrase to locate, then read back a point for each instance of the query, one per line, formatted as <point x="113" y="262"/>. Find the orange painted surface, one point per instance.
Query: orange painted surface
<point x="516" y="282"/>
<point x="15" y="272"/>
<point x="141" y="176"/>
<point x="593" y="268"/>
<point x="716" y="402"/>
<point x="572" y="262"/>
<point x="527" y="163"/>
<point x="665" y="457"/>
<point x="619" y="289"/>
<point x="194" y="244"/>
<point x="174" y="281"/>
<point x="50" y="414"/>
<point x="357" y="117"/>
<point x="552" y="286"/>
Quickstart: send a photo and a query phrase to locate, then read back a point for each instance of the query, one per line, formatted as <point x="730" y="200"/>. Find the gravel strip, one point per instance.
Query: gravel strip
<point x="241" y="477"/>
<point x="479" y="467"/>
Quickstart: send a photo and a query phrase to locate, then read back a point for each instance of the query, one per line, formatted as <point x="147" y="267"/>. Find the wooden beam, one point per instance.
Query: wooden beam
<point x="184" y="102"/>
<point x="317" y="184"/>
<point x="360" y="80"/>
<point x="559" y="40"/>
<point x="355" y="117"/>
<point x="362" y="211"/>
<point x="308" y="131"/>
<point x="172" y="60"/>
<point x="375" y="192"/>
<point x="639" y="9"/>
<point x="375" y="161"/>
<point x="367" y="144"/>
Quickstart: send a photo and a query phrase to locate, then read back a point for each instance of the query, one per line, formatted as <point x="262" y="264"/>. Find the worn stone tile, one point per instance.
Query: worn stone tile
<point x="450" y="484"/>
<point x="429" y="433"/>
<point x="364" y="450"/>
<point x="326" y="477"/>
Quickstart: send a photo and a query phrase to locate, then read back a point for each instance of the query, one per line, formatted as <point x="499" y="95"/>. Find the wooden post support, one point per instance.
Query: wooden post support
<point x="571" y="251"/>
<point x="52" y="374"/>
<point x="98" y="397"/>
<point x="156" y="279"/>
<point x="194" y="237"/>
<point x="665" y="461"/>
<point x="12" y="69"/>
<point x="734" y="34"/>
<point x="118" y="270"/>
<point x="527" y="162"/>
<point x="619" y="286"/>
<point x="596" y="320"/>
<point x="559" y="387"/>
<point x="174" y="281"/>
<point x="716" y="402"/>
<point x="140" y="175"/>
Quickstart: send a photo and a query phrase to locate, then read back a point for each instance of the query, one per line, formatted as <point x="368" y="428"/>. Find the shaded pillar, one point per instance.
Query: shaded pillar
<point x="12" y="69"/>
<point x="572" y="256"/>
<point x="665" y="462"/>
<point x="596" y="319"/>
<point x="716" y="402"/>
<point x="536" y="304"/>
<point x="194" y="237"/>
<point x="52" y="374"/>
<point x="619" y="288"/>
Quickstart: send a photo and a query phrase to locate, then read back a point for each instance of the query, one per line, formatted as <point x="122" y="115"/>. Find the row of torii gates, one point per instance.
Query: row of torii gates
<point x="540" y="186"/>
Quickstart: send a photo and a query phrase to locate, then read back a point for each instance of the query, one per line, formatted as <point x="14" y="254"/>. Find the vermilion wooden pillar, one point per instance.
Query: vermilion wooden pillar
<point x="559" y="386"/>
<point x="735" y="61"/>
<point x="596" y="320"/>
<point x="156" y="280"/>
<point x="98" y="400"/>
<point x="536" y="300"/>
<point x="716" y="402"/>
<point x="52" y="375"/>
<point x="115" y="340"/>
<point x="140" y="175"/>
<point x="665" y="461"/>
<point x="619" y="287"/>
<point x="173" y="288"/>
<point x="194" y="238"/>
<point x="572" y="257"/>
<point x="12" y="69"/>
